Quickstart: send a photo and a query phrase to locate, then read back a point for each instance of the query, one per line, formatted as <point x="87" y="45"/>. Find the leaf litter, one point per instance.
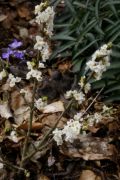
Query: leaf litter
<point x="86" y="157"/>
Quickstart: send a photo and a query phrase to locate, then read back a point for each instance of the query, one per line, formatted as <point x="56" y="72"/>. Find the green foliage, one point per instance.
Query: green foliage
<point x="81" y="28"/>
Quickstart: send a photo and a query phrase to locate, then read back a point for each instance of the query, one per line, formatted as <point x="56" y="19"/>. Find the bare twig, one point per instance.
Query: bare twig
<point x="11" y="166"/>
<point x="30" y="124"/>
<point x="93" y="101"/>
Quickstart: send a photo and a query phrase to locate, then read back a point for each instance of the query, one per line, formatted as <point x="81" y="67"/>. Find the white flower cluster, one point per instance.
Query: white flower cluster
<point x="43" y="47"/>
<point x="70" y="132"/>
<point x="2" y="74"/>
<point x="93" y="118"/>
<point x="100" y="61"/>
<point x="40" y="104"/>
<point x="78" y="96"/>
<point x="45" y="17"/>
<point x="12" y="80"/>
<point x="85" y="86"/>
<point x="33" y="73"/>
<point x="78" y="125"/>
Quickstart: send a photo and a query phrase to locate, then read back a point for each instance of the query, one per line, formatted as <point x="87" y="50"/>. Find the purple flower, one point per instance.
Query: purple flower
<point x="7" y="54"/>
<point x="18" y="54"/>
<point x="15" y="44"/>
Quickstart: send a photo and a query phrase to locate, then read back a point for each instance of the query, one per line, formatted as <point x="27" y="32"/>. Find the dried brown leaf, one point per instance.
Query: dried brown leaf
<point x="24" y="12"/>
<point x="90" y="148"/>
<point x="51" y="119"/>
<point x="22" y="114"/>
<point x="17" y="99"/>
<point x="2" y="17"/>
<point x="89" y="175"/>
<point x="54" y="107"/>
<point x="5" y="110"/>
<point x="43" y="177"/>
<point x="35" y="126"/>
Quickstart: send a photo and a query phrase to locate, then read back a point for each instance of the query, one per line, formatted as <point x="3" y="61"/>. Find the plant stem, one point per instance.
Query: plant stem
<point x="30" y="124"/>
<point x="11" y="166"/>
<point x="93" y="101"/>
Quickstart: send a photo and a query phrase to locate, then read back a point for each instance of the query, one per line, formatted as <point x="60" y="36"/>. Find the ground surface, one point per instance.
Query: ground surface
<point x="93" y="157"/>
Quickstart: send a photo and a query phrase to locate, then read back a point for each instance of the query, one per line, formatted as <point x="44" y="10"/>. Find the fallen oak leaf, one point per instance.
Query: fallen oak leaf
<point x="17" y="99"/>
<point x="35" y="126"/>
<point x="51" y="119"/>
<point x="90" y="148"/>
<point x="54" y="107"/>
<point x="5" y="110"/>
<point x="22" y="114"/>
<point x="2" y="17"/>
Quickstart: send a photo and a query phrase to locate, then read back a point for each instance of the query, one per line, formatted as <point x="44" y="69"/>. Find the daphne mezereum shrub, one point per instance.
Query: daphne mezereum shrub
<point x="44" y="19"/>
<point x="98" y="64"/>
<point x="95" y="67"/>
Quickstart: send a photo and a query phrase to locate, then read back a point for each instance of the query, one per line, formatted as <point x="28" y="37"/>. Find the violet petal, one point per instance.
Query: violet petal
<point x="15" y="44"/>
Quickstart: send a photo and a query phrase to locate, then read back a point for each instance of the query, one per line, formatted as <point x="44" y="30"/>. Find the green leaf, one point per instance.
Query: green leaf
<point x="70" y="6"/>
<point x="112" y="88"/>
<point x="85" y="48"/>
<point x="77" y="65"/>
<point x="86" y="29"/>
<point x="81" y="5"/>
<point x="111" y="2"/>
<point x="116" y="35"/>
<point x="63" y="37"/>
<point x="97" y="9"/>
<point x="98" y="84"/>
<point x="112" y="98"/>
<point x="114" y="31"/>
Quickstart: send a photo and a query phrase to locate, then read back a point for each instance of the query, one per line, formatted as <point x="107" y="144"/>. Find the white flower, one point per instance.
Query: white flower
<point x="1" y="164"/>
<point x="71" y="130"/>
<point x="41" y="65"/>
<point x="82" y="81"/>
<point x="45" y="17"/>
<point x="70" y="94"/>
<point x="45" y="53"/>
<point x="43" y="47"/>
<point x="98" y="117"/>
<point x="5" y="111"/>
<point x="94" y="118"/>
<point x="23" y="91"/>
<point x="99" y="62"/>
<point x="29" y="65"/>
<point x="40" y="104"/>
<point x="2" y="74"/>
<point x="105" y="108"/>
<point x="12" y="80"/>
<point x="79" y="96"/>
<point x="40" y="43"/>
<point x="58" y="136"/>
<point x="90" y="120"/>
<point x="78" y="117"/>
<point x="13" y="136"/>
<point x="35" y="74"/>
<point x="38" y="8"/>
<point x="87" y="87"/>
